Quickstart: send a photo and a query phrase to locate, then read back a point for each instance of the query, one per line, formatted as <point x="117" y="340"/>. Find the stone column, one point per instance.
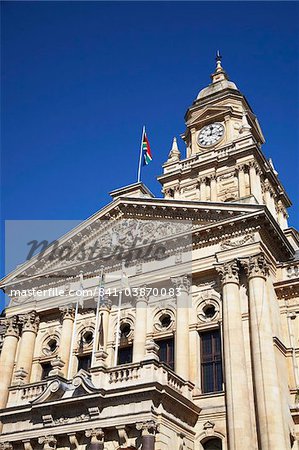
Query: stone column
<point x="269" y="420"/>
<point x="193" y="141"/>
<point x="182" y="284"/>
<point x="255" y="182"/>
<point x="282" y="215"/>
<point x="241" y="180"/>
<point x="140" y="327"/>
<point x="269" y="199"/>
<point x="30" y="322"/>
<point x="7" y="357"/>
<point x="202" y="189"/>
<point x="148" y="432"/>
<point x="96" y="439"/>
<point x="214" y="196"/>
<point x="68" y="315"/>
<point x="236" y="381"/>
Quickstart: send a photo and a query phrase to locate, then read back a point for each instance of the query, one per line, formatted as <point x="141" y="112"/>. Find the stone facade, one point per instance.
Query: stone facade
<point x="207" y="358"/>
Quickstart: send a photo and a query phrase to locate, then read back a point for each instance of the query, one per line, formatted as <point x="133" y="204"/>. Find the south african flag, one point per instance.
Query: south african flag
<point x="146" y="151"/>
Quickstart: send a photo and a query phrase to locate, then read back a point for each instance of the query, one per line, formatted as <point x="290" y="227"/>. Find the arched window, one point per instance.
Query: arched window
<point x="213" y="444"/>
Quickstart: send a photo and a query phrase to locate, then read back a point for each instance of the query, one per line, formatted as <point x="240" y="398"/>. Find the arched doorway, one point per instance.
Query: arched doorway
<point x="213" y="444"/>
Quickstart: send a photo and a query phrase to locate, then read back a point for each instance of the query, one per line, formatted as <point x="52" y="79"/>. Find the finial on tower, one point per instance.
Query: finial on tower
<point x="219" y="74"/>
<point x="218" y="60"/>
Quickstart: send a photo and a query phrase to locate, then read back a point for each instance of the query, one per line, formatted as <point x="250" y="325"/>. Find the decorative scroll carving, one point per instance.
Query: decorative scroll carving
<point x="6" y="446"/>
<point x="229" y="272"/>
<point x="149" y="427"/>
<point x="96" y="438"/>
<point x="12" y="326"/>
<point x="67" y="312"/>
<point x="182" y="283"/>
<point x="30" y="321"/>
<point x="49" y="442"/>
<point x="234" y="243"/>
<point x="256" y="266"/>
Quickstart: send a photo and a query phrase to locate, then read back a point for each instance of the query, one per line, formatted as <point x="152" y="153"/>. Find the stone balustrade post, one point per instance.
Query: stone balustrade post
<point x="7" y="357"/>
<point x="96" y="436"/>
<point x="68" y="316"/>
<point x="30" y="323"/>
<point x="236" y="381"/>
<point x="140" y="326"/>
<point x="266" y="385"/>
<point x="182" y="285"/>
<point x="148" y="434"/>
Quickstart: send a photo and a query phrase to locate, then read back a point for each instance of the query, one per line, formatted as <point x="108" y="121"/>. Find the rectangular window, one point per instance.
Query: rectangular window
<point x="84" y="362"/>
<point x="46" y="367"/>
<point x="166" y="351"/>
<point x="211" y="366"/>
<point x="125" y="355"/>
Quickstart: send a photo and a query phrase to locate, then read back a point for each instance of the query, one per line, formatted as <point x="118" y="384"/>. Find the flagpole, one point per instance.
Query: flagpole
<point x="94" y="346"/>
<point x="69" y="373"/>
<point x="140" y="155"/>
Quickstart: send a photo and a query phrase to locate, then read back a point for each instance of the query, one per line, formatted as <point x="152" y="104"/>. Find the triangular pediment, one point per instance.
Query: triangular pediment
<point x="160" y="218"/>
<point x="209" y="113"/>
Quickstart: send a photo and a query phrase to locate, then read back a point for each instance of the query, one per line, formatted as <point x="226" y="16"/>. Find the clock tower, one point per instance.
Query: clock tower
<point x="224" y="161"/>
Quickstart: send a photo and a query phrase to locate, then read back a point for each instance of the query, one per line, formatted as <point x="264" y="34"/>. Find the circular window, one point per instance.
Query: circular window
<point x="209" y="311"/>
<point x="50" y="346"/>
<point x="165" y="320"/>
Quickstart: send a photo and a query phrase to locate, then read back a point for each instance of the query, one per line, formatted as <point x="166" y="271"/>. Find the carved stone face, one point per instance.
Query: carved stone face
<point x="210" y="134"/>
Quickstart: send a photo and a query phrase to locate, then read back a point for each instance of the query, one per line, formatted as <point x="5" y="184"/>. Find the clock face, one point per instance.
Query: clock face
<point x="210" y="134"/>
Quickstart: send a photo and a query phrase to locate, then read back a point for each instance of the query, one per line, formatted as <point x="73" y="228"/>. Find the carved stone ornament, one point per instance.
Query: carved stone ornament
<point x="30" y="322"/>
<point x="149" y="427"/>
<point x="182" y="283"/>
<point x="256" y="266"/>
<point x="96" y="435"/>
<point x="12" y="326"/>
<point x="234" y="243"/>
<point x="49" y="442"/>
<point x="229" y="272"/>
<point x="6" y="446"/>
<point x="67" y="312"/>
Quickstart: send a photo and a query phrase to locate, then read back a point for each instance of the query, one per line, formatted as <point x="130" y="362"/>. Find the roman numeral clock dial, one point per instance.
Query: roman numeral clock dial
<point x="210" y="134"/>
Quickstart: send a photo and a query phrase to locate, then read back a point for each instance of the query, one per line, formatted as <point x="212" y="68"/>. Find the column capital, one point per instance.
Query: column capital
<point x="182" y="282"/>
<point x="213" y="177"/>
<point x="143" y="295"/>
<point x="241" y="167"/>
<point x="49" y="442"/>
<point x="6" y="446"/>
<point x="256" y="266"/>
<point x="105" y="303"/>
<point x="30" y="321"/>
<point x="96" y="435"/>
<point x="229" y="272"/>
<point x="67" y="312"/>
<point x="12" y="326"/>
<point x="149" y="427"/>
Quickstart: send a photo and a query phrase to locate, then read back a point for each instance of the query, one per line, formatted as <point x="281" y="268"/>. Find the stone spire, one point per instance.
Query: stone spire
<point x="174" y="154"/>
<point x="219" y="74"/>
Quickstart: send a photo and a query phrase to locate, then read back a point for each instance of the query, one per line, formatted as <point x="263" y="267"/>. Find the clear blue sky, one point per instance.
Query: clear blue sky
<point x="79" y="79"/>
